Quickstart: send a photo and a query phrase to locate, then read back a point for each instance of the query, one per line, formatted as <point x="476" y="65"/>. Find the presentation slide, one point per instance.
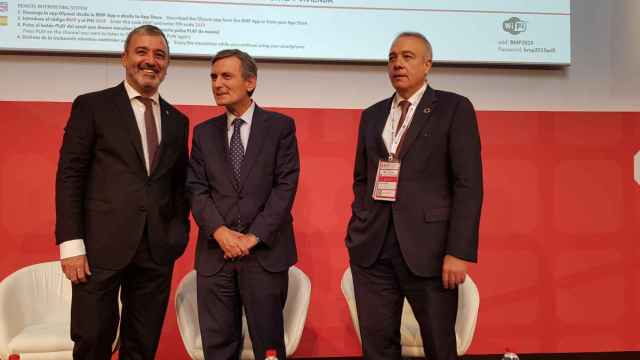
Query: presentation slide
<point x="461" y="31"/>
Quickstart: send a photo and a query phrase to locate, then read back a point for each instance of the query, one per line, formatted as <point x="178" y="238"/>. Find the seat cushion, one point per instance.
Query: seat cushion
<point x="48" y="337"/>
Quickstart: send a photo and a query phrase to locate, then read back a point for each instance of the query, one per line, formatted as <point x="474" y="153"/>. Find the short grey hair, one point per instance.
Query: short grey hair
<point x="145" y="30"/>
<point x="247" y="64"/>
<point x="419" y="36"/>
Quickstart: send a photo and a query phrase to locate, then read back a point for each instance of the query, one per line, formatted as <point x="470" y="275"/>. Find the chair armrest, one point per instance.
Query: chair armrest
<point x="296" y="308"/>
<point x="468" y="305"/>
<point x="187" y="312"/>
<point x="346" y="285"/>
<point x="12" y="314"/>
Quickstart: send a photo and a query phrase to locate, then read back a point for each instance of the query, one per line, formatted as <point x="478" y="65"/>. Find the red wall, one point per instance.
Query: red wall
<point x="559" y="265"/>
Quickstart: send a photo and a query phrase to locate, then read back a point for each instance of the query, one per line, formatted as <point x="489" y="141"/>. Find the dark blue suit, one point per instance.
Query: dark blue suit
<point x="397" y="249"/>
<point x="261" y="205"/>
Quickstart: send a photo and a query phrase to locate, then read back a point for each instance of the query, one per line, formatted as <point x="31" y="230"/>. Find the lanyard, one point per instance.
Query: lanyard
<point x="399" y="136"/>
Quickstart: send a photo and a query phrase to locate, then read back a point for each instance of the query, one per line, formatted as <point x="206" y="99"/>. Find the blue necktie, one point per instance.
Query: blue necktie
<point x="236" y="150"/>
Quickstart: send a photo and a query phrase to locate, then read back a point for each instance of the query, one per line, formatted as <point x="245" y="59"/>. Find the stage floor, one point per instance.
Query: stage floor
<point x="628" y="355"/>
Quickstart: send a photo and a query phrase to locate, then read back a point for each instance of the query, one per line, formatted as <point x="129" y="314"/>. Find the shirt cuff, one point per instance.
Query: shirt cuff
<point x="72" y="248"/>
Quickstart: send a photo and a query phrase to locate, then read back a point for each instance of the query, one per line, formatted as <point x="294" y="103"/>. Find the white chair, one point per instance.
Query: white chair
<point x="410" y="338"/>
<point x="295" y="315"/>
<point x="35" y="313"/>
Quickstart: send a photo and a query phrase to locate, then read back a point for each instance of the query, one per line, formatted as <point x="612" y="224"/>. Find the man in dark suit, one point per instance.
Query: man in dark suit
<point x="121" y="208"/>
<point x="242" y="181"/>
<point x="415" y="216"/>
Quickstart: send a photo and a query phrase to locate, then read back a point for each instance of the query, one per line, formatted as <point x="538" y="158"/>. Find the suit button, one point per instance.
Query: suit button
<point x="142" y="208"/>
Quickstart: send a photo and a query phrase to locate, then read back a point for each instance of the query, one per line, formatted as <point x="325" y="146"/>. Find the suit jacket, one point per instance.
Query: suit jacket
<point x="263" y="201"/>
<point x="439" y="195"/>
<point x="103" y="192"/>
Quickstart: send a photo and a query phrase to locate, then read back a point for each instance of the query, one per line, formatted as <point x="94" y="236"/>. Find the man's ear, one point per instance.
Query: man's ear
<point x="251" y="83"/>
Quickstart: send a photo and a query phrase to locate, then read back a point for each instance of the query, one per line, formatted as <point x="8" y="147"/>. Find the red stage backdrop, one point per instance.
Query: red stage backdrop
<point x="559" y="263"/>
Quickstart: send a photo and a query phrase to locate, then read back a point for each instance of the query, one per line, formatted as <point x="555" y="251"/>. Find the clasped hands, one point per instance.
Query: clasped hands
<point x="234" y="244"/>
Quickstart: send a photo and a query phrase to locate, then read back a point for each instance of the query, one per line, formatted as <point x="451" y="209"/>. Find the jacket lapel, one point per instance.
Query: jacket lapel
<point x="259" y="127"/>
<point x="380" y="122"/>
<point x="124" y="107"/>
<point x="420" y="119"/>
<point x="169" y="130"/>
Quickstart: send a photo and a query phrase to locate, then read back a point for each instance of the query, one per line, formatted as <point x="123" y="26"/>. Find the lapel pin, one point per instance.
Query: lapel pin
<point x="427" y="110"/>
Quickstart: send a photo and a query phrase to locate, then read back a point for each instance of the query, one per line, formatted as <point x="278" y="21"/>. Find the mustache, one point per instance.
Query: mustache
<point x="148" y="67"/>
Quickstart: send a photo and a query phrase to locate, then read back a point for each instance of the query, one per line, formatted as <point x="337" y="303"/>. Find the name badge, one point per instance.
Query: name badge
<point x="386" y="180"/>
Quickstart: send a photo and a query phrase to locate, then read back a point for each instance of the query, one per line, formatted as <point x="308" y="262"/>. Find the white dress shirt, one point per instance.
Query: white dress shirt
<point x="245" y="129"/>
<point x="138" y="111"/>
<point x="394" y="115"/>
<point x="76" y="247"/>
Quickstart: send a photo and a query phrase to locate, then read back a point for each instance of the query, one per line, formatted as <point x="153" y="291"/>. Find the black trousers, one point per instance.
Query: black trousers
<point x="380" y="291"/>
<point x="144" y="291"/>
<point x="221" y="297"/>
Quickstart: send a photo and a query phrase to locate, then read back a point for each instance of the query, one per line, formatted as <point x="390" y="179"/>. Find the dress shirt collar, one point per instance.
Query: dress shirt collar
<point x="247" y="116"/>
<point x="414" y="99"/>
<point x="133" y="93"/>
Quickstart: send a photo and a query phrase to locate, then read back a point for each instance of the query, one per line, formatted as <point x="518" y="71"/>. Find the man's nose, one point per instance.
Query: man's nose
<point x="150" y="60"/>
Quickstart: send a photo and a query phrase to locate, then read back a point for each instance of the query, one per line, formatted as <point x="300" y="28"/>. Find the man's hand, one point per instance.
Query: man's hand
<point x="247" y="242"/>
<point x="229" y="241"/>
<point x="76" y="268"/>
<point x="454" y="271"/>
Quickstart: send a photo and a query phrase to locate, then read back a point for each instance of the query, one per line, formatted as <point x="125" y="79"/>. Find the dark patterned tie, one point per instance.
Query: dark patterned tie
<point x="151" y="130"/>
<point x="236" y="150"/>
